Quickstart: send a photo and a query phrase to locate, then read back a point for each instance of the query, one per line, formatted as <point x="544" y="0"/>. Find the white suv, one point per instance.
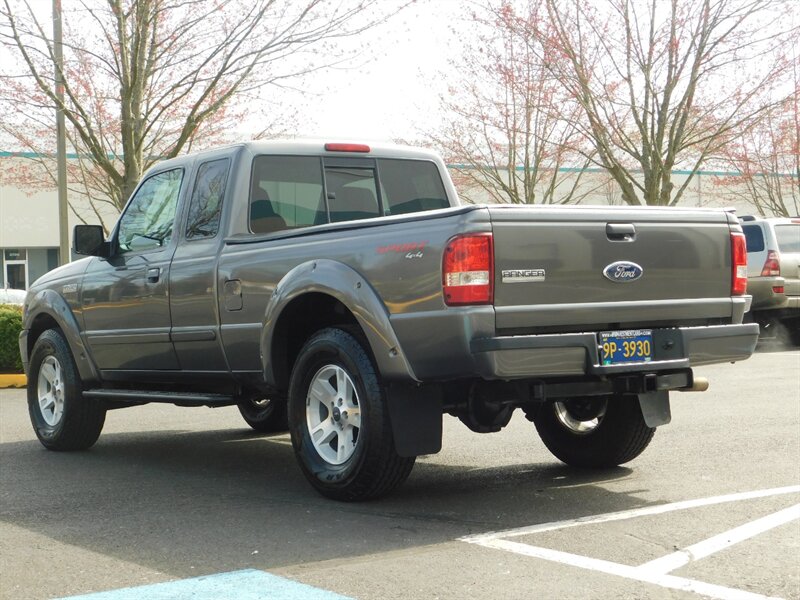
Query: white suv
<point x="773" y="271"/>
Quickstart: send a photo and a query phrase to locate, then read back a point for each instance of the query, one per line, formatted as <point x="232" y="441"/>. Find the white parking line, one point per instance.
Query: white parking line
<point x="630" y="514"/>
<point x="636" y="573"/>
<point x="656" y="571"/>
<point x="676" y="560"/>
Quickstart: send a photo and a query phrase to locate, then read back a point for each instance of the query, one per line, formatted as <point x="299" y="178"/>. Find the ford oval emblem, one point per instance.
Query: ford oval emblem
<point x="623" y="272"/>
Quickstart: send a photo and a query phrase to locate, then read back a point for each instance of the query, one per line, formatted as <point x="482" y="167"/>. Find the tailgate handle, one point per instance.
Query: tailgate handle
<point x="620" y="232"/>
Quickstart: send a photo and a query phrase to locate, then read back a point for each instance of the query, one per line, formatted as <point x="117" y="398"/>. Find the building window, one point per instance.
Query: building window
<point x="15" y="269"/>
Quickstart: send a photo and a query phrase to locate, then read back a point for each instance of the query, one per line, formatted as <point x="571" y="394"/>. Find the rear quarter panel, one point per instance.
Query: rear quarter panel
<point x="399" y="258"/>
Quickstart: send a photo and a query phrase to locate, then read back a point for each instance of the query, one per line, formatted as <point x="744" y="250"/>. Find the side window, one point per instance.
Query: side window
<point x="286" y="193"/>
<point x="788" y="238"/>
<point x="206" y="204"/>
<point x="149" y="218"/>
<point x="753" y="237"/>
<point x="411" y="186"/>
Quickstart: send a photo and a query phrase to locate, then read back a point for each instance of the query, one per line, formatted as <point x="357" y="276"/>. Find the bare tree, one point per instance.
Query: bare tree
<point x="662" y="85"/>
<point x="511" y="128"/>
<point x="145" y="80"/>
<point x="765" y="160"/>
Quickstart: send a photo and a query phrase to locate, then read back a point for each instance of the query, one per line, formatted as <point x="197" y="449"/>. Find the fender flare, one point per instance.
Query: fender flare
<point x="52" y="304"/>
<point x="346" y="285"/>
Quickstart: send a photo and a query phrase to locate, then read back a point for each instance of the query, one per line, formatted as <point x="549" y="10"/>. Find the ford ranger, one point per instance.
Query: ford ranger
<point x="342" y="291"/>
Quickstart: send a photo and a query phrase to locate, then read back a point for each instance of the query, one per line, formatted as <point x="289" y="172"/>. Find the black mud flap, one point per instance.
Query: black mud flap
<point x="655" y="408"/>
<point x="416" y="414"/>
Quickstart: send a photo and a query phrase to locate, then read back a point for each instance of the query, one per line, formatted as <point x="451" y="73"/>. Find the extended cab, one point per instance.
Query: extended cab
<point x="342" y="291"/>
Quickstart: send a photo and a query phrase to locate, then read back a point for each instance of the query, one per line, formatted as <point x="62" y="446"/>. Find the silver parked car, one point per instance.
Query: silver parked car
<point x="773" y="274"/>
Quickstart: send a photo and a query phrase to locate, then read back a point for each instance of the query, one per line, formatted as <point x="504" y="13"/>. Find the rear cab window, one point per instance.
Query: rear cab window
<point x="352" y="191"/>
<point x="411" y="186"/>
<point x="291" y="192"/>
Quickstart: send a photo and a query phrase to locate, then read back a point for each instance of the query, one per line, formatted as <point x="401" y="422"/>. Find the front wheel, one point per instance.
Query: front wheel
<point x="595" y="431"/>
<point x="62" y="418"/>
<point x="339" y="420"/>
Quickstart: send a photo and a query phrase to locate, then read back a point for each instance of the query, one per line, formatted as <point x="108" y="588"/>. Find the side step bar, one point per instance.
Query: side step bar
<point x="177" y="398"/>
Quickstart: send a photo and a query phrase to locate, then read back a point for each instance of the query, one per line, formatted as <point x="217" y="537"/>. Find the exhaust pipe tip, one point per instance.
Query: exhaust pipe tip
<point x="699" y="384"/>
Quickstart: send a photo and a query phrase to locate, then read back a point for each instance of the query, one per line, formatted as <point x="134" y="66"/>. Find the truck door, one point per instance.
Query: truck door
<point x="193" y="295"/>
<point x="125" y="297"/>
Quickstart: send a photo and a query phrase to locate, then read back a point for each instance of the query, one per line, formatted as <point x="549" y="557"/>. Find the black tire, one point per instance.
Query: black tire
<point x="369" y="467"/>
<point x="265" y="415"/>
<point x="618" y="435"/>
<point x="62" y="418"/>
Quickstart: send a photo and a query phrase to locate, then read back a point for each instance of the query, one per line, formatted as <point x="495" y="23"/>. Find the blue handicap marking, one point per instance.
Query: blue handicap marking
<point x="249" y="584"/>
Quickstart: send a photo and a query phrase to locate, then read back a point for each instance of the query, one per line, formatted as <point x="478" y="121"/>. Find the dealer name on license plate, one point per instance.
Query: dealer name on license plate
<point x="628" y="346"/>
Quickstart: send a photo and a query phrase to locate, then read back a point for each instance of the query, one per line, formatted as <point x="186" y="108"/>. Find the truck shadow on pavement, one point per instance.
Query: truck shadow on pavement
<point x="189" y="503"/>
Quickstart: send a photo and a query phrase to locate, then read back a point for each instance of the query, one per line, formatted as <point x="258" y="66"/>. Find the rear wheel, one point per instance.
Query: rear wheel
<point x="339" y="420"/>
<point x="264" y="415"/>
<point x="62" y="418"/>
<point x="594" y="431"/>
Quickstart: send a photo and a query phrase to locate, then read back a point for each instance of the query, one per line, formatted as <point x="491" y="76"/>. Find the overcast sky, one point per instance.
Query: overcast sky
<point x="390" y="92"/>
<point x="395" y="92"/>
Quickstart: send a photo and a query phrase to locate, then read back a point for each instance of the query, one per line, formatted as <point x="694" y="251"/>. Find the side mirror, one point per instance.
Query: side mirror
<point x="89" y="240"/>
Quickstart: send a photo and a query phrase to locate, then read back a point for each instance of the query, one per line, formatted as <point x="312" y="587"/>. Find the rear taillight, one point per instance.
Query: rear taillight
<point x="468" y="270"/>
<point x="739" y="261"/>
<point x="772" y="266"/>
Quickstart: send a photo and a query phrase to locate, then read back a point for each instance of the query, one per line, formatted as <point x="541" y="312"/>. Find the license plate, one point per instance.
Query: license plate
<point x="630" y="346"/>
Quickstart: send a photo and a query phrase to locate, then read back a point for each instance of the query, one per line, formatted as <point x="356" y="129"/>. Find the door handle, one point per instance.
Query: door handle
<point x="620" y="232"/>
<point x="153" y="275"/>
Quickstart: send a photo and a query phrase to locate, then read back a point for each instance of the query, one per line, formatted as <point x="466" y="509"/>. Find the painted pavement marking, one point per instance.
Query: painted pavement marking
<point x="249" y="584"/>
<point x="676" y="560"/>
<point x="656" y="571"/>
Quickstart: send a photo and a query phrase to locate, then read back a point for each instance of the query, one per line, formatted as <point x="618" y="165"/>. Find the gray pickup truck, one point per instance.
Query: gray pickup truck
<point x="341" y="291"/>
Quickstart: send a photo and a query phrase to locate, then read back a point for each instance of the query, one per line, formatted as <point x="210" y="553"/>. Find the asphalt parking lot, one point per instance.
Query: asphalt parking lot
<point x="172" y="494"/>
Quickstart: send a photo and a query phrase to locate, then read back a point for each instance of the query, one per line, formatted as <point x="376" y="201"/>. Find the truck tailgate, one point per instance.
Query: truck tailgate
<point x="557" y="267"/>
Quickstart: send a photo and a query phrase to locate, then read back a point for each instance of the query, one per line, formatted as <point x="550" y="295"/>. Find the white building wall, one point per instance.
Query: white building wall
<point x="29" y="232"/>
<point x="28" y="221"/>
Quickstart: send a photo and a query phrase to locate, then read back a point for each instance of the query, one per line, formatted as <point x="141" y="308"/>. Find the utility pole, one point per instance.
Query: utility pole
<point x="61" y="138"/>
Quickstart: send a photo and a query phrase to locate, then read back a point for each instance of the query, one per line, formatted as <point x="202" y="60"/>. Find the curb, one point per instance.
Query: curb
<point x="13" y="381"/>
